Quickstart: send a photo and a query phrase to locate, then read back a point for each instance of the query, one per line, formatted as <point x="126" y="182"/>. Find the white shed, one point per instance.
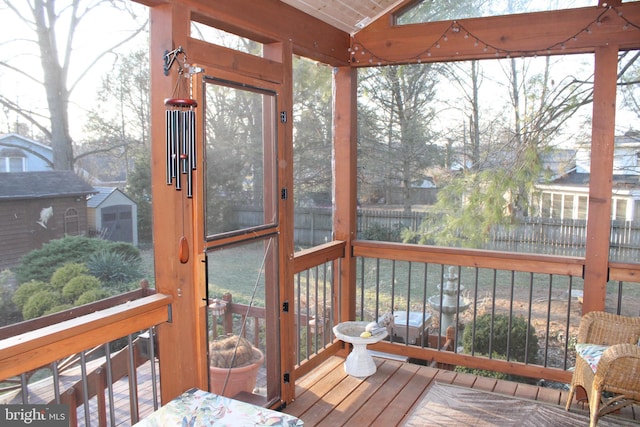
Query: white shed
<point x="113" y="215"/>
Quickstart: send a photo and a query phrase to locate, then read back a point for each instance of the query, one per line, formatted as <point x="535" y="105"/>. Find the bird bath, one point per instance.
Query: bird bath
<point x="450" y="302"/>
<point x="359" y="363"/>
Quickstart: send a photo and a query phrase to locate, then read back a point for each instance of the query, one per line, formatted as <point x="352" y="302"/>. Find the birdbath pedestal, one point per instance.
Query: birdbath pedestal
<point x="359" y="363"/>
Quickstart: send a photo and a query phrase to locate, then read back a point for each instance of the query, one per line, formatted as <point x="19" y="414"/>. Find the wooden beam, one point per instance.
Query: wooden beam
<point x="345" y="194"/>
<point x="268" y="21"/>
<point x="172" y="219"/>
<point x="207" y="55"/>
<point x="555" y="32"/>
<point x="600" y="179"/>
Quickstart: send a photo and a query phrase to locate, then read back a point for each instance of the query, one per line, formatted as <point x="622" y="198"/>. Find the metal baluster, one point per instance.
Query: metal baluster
<point x="56" y="381"/>
<point x="133" y="389"/>
<point x="152" y="358"/>
<point x="24" y="389"/>
<point x="112" y="409"/>
<point x="85" y="389"/>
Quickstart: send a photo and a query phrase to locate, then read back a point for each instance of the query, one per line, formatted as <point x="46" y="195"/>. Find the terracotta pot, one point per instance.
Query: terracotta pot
<point x="242" y="378"/>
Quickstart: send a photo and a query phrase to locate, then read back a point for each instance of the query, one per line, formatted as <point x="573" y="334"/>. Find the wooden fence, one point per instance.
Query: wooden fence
<point x="313" y="226"/>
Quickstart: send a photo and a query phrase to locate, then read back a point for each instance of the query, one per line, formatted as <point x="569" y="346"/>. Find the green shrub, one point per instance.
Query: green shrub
<point x="9" y="312"/>
<point x="485" y="373"/>
<point x="79" y="285"/>
<point x="92" y="295"/>
<point x="126" y="249"/>
<point x="24" y="292"/>
<point x="516" y="337"/>
<point x="40" y="303"/>
<point x="114" y="269"/>
<point x="64" y="274"/>
<point x="379" y="232"/>
<point x="40" y="264"/>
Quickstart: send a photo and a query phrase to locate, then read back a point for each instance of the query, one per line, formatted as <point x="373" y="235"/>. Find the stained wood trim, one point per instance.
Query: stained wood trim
<point x="624" y="272"/>
<point x="527" y="34"/>
<point x="545" y="264"/>
<point x="207" y="54"/>
<point x="600" y="181"/>
<point x="269" y="21"/>
<point x="41" y="322"/>
<point x="37" y="348"/>
<point x="318" y="255"/>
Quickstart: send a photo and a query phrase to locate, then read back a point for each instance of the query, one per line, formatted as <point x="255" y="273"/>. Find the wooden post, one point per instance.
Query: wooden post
<point x="345" y="184"/>
<point x="178" y="341"/>
<point x="601" y="179"/>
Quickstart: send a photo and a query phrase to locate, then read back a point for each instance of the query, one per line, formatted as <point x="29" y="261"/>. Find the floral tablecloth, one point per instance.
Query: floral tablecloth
<point x="200" y="408"/>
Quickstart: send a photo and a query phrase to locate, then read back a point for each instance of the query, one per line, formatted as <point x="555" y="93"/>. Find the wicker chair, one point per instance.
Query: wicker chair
<point x="618" y="371"/>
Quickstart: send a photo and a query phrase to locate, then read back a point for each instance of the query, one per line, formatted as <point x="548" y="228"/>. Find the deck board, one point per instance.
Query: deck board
<point x="327" y="397"/>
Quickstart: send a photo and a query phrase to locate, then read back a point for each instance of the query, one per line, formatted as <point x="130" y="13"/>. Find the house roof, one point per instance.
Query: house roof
<point x="582" y="179"/>
<point x="102" y="194"/>
<point x="33" y="185"/>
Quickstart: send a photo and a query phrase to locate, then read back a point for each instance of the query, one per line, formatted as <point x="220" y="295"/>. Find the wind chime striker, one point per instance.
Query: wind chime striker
<point x="180" y="125"/>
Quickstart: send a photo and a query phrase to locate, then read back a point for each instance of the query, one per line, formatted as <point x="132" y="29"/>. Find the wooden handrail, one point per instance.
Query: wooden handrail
<point x="61" y="316"/>
<point x="535" y="263"/>
<point x="318" y="255"/>
<point x="38" y="348"/>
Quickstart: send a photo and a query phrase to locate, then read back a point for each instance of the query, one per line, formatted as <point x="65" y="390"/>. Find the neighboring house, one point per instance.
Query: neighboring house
<point x="113" y="215"/>
<point x="566" y="196"/>
<point x="20" y="154"/>
<point x="36" y="207"/>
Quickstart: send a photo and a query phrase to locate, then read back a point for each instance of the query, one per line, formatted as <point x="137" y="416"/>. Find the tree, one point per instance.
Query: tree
<point x="501" y="184"/>
<point x="118" y="123"/>
<point x="52" y="26"/>
<point x="400" y="97"/>
<point x="313" y="126"/>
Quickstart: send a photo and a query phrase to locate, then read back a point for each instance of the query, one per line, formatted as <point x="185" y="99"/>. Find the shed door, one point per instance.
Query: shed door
<point x="117" y="223"/>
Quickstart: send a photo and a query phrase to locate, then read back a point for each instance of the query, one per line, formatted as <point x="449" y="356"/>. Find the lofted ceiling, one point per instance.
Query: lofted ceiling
<point x="347" y="15"/>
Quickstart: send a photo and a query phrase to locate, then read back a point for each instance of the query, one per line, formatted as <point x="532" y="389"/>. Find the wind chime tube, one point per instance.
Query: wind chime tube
<point x="184" y="141"/>
<point x="176" y="148"/>
<point x="168" y="136"/>
<point x="192" y="140"/>
<point x="190" y="150"/>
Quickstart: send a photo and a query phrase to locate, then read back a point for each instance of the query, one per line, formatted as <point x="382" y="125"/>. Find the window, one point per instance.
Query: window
<point x="455" y="124"/>
<point x="12" y="161"/>
<point x="240" y="154"/>
<point x="71" y="222"/>
<point x="429" y="11"/>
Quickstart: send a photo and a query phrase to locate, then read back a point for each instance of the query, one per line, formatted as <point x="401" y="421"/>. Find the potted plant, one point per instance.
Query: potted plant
<point x="233" y="365"/>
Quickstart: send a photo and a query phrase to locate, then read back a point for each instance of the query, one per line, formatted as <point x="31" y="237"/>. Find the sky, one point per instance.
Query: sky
<point x="96" y="33"/>
<point x="100" y="28"/>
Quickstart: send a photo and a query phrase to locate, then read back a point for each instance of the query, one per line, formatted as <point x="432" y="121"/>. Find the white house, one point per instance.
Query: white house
<point x="21" y="154"/>
<point x="566" y="195"/>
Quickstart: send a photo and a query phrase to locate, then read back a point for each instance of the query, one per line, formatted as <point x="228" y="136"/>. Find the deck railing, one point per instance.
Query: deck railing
<point x="542" y="292"/>
<point x="80" y="364"/>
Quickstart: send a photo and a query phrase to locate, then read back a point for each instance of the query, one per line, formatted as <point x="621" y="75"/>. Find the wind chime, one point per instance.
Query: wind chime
<point x="180" y="134"/>
<point x="180" y="125"/>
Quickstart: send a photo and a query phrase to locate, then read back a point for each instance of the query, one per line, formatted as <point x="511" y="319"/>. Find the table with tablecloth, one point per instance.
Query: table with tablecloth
<point x="200" y="408"/>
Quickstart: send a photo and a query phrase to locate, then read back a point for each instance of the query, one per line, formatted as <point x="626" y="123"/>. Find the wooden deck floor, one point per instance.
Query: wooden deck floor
<point x="329" y="397"/>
